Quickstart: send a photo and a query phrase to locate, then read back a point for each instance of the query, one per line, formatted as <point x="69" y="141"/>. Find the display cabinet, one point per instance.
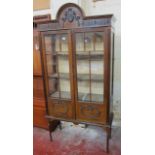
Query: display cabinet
<point x="77" y="67"/>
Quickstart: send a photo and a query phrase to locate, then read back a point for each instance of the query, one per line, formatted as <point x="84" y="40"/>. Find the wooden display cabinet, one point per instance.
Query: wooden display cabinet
<point x="77" y="67"/>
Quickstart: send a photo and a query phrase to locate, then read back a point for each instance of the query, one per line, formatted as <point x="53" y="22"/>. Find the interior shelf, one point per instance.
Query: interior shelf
<point x="59" y="53"/>
<point x="94" y="97"/>
<point x="80" y="77"/>
<point x="91" y="51"/>
<point x="61" y="75"/>
<point x="81" y="96"/>
<point x="64" y="94"/>
<point x="94" y="77"/>
<point x="93" y="55"/>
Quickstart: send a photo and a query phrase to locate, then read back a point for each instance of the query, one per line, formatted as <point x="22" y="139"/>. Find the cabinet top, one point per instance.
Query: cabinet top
<point x="71" y="16"/>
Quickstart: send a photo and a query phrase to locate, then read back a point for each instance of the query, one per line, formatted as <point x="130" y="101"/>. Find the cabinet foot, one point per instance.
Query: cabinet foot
<point x="107" y="138"/>
<point x="52" y="125"/>
<point x="51" y="139"/>
<point x="60" y="126"/>
<point x="108" y="130"/>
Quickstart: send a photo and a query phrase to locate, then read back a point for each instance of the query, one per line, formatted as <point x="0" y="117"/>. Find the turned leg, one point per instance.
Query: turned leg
<point x="108" y="133"/>
<point x="107" y="143"/>
<point x="60" y="126"/>
<point x="107" y="130"/>
<point x="111" y="118"/>
<point x="51" y="139"/>
<point x="52" y="125"/>
<point x="86" y="125"/>
<point x="50" y="131"/>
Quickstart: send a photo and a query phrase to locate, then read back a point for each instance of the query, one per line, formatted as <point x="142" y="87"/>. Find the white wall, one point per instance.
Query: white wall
<point x="41" y="12"/>
<point x="55" y="5"/>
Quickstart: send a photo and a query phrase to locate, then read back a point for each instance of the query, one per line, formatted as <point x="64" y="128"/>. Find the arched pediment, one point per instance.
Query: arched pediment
<point x="70" y="15"/>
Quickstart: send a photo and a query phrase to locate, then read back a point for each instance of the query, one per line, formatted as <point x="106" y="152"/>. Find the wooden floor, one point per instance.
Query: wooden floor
<point x="75" y="140"/>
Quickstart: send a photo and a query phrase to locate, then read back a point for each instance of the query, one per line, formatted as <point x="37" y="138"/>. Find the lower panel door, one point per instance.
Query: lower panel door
<point x="93" y="113"/>
<point x="61" y="109"/>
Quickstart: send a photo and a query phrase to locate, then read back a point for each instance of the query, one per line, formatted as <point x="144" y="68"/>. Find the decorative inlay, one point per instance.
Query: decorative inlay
<point x="81" y="23"/>
<point x="90" y="111"/>
<point x="60" y="108"/>
<point x="95" y="22"/>
<point x="70" y="16"/>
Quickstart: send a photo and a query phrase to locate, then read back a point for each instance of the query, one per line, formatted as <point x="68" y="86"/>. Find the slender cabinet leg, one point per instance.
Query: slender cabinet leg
<point x="107" y="139"/>
<point x="110" y="132"/>
<point x="111" y="118"/>
<point x="52" y="125"/>
<point x="60" y="126"/>
<point x="50" y="131"/>
<point x="107" y="130"/>
<point x="51" y="139"/>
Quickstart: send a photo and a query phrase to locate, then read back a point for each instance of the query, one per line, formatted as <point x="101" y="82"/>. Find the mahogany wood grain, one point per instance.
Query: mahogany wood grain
<point x="37" y="70"/>
<point x="39" y="119"/>
<point x="39" y="110"/>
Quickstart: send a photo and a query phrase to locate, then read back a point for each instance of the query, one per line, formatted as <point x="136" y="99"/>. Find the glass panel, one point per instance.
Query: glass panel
<point x="90" y="66"/>
<point x="97" y="92"/>
<point x="64" y="44"/>
<point x="88" y="40"/>
<point x="82" y="69"/>
<point x="58" y="65"/>
<point x="83" y="80"/>
<point x="48" y="43"/>
<point x="97" y="81"/>
<point x="64" y="77"/>
<point x="56" y="44"/>
<point x="99" y="44"/>
<point x="97" y="68"/>
<point x="54" y="87"/>
<point x="83" y="91"/>
<point x="79" y="42"/>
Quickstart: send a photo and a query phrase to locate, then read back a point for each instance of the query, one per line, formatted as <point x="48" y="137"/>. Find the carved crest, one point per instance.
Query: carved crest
<point x="70" y="16"/>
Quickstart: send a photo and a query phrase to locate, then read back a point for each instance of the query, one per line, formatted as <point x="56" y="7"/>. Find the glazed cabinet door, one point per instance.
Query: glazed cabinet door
<point x="57" y="57"/>
<point x="90" y="72"/>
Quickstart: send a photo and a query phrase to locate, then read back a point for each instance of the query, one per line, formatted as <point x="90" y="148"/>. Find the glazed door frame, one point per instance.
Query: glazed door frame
<point x="85" y="110"/>
<point x="59" y="107"/>
<point x="71" y="109"/>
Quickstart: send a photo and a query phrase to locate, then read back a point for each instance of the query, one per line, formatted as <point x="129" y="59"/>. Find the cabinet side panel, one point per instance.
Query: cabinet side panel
<point x="39" y="109"/>
<point x="37" y="70"/>
<point x="38" y="89"/>
<point x="111" y="70"/>
<point x="39" y="119"/>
